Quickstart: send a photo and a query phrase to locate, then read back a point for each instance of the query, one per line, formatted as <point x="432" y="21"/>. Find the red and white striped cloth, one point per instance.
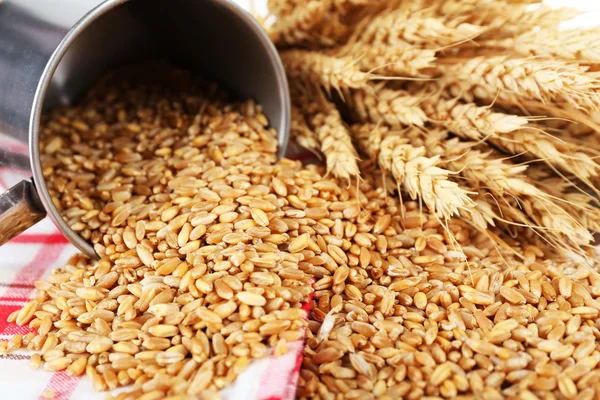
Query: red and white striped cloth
<point x="28" y="258"/>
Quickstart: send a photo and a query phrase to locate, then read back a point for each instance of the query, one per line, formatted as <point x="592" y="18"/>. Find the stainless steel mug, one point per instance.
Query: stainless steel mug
<point x="52" y="50"/>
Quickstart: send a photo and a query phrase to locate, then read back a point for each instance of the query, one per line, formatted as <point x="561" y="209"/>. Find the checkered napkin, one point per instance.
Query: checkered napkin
<point x="30" y="257"/>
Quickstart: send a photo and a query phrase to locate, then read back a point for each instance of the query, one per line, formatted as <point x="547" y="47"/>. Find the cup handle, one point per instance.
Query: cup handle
<point x="20" y="208"/>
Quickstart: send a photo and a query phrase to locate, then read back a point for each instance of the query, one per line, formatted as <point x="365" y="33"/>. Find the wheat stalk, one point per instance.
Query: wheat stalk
<point x="330" y="72"/>
<point x="378" y="104"/>
<point x="576" y="44"/>
<point x="510" y="79"/>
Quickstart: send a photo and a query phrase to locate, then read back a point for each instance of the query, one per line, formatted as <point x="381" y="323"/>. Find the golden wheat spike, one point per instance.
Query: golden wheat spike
<point x="513" y="134"/>
<point x="508" y="79"/>
<point x="561" y="154"/>
<point x="505" y="20"/>
<point x="301" y="132"/>
<point x="298" y="25"/>
<point x="335" y="141"/>
<point x="471" y="121"/>
<point x="510" y="187"/>
<point x="575" y="45"/>
<point x="281" y="8"/>
<point x="315" y="23"/>
<point x="416" y="174"/>
<point x="378" y="104"/>
<point x="329" y="72"/>
<point x="395" y="61"/>
<point x="581" y="205"/>
<point x="422" y="28"/>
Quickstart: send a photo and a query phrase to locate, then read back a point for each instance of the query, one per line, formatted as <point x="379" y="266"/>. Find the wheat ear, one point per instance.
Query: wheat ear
<point x="513" y="134"/>
<point x="335" y="139"/>
<point x="286" y="7"/>
<point x="563" y="155"/>
<point x="368" y="138"/>
<point x="471" y="121"/>
<point x="577" y="44"/>
<point x="581" y="205"/>
<point x="399" y="61"/>
<point x="297" y="26"/>
<point x="395" y="27"/>
<point x="510" y="79"/>
<point x="417" y="175"/>
<point x="589" y="120"/>
<point x="329" y="72"/>
<point x="518" y="19"/>
<point x="521" y="2"/>
<point x="512" y="188"/>
<point x="301" y="132"/>
<point x="316" y="23"/>
<point x="281" y="8"/>
<point x="505" y="20"/>
<point x="378" y="104"/>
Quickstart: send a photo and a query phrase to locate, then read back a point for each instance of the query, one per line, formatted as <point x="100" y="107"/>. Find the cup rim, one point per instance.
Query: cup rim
<point x="55" y="60"/>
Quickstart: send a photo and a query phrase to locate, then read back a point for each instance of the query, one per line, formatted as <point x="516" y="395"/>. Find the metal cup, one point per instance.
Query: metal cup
<point x="52" y="50"/>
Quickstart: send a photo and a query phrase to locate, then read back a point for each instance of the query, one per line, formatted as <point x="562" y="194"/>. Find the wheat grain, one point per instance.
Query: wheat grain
<point x="356" y="340"/>
<point x="164" y="286"/>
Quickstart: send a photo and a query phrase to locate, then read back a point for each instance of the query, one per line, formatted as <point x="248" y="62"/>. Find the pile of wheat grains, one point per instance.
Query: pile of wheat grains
<point x="446" y="242"/>
<point x="210" y="246"/>
<point x="481" y="116"/>
<point x="179" y="191"/>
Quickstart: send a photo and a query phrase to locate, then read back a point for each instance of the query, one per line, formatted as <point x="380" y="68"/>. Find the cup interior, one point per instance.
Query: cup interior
<point x="214" y="39"/>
